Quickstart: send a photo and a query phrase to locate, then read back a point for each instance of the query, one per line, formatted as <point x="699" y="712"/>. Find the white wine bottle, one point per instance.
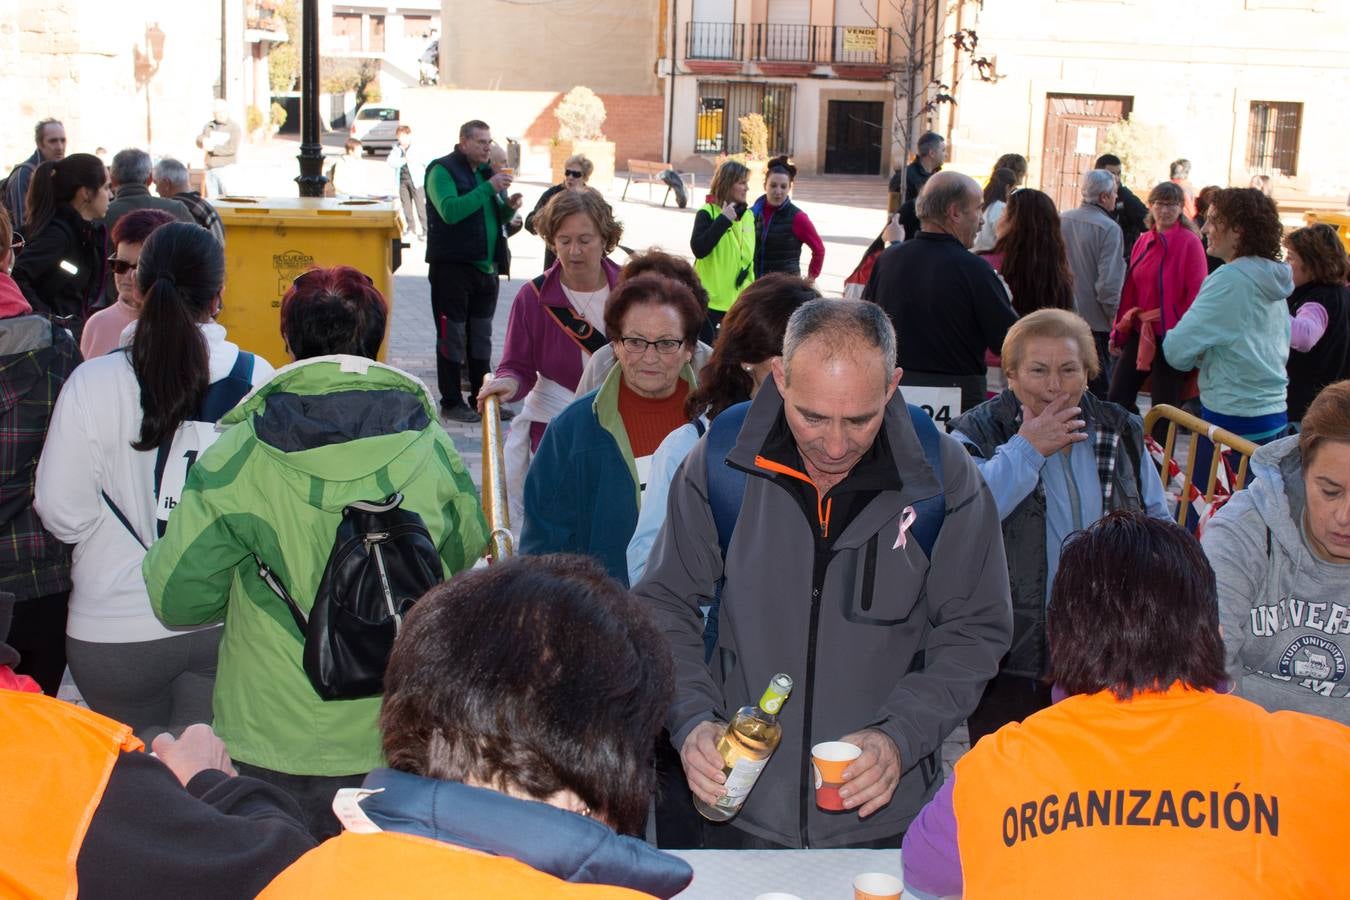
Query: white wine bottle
<point x="746" y="746"/>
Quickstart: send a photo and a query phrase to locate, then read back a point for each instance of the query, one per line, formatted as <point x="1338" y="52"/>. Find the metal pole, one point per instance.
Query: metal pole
<point x="311" y="178"/>
<point x="495" y="507"/>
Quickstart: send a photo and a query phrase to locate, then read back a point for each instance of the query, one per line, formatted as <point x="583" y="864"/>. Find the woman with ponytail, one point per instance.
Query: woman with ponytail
<point x="60" y="270"/>
<point x="125" y="430"/>
<point x="751" y="336"/>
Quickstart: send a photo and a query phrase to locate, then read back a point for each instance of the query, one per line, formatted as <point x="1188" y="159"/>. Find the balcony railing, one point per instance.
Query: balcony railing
<point x="714" y="40"/>
<point x="821" y="44"/>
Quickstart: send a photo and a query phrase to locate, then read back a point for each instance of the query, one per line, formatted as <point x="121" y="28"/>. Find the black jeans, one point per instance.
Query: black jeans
<point x="38" y="633"/>
<point x="1126" y="380"/>
<point x="1007" y="698"/>
<point x="1100" y="386"/>
<point x="312" y="793"/>
<point x="463" y="300"/>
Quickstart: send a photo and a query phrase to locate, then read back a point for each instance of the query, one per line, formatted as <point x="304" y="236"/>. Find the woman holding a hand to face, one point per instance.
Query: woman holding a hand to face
<point x="1042" y="446"/>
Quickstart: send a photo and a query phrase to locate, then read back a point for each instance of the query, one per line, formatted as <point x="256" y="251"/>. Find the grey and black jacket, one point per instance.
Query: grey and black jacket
<point x="874" y="635"/>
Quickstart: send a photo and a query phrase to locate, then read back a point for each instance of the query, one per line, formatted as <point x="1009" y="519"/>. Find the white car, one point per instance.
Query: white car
<point x="375" y="127"/>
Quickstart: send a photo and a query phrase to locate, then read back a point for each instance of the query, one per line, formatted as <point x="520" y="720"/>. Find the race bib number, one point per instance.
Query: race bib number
<point x="189" y="443"/>
<point x="941" y="403"/>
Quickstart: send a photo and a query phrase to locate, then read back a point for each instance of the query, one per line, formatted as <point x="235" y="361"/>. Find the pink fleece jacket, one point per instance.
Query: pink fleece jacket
<point x="1165" y="273"/>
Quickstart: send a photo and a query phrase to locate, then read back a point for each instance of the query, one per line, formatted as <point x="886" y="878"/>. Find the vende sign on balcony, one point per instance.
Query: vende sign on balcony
<point x="860" y="40"/>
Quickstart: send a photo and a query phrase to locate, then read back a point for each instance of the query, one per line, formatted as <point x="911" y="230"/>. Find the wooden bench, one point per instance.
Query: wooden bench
<point x="650" y="172"/>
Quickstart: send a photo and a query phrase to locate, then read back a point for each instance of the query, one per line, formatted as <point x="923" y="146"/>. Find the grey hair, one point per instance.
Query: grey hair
<point x="929" y="140"/>
<point x="131" y="166"/>
<point x="172" y="171"/>
<point x="940" y="192"/>
<point x="846" y="327"/>
<point x="1096" y="183"/>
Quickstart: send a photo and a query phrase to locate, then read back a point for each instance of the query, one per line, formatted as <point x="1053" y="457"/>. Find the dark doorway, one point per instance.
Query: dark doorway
<point x="853" y="138"/>
<point x="1075" y="127"/>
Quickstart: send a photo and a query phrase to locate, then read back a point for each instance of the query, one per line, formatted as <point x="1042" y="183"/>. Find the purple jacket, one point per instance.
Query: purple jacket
<point x="535" y="343"/>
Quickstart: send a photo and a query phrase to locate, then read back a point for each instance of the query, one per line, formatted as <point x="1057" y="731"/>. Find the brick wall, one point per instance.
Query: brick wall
<point x="635" y="123"/>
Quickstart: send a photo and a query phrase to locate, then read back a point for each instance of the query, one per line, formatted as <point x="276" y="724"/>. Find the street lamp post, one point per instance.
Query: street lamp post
<point x="311" y="179"/>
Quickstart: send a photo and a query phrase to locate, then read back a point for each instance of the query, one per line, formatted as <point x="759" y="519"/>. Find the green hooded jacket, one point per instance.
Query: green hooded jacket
<point x="321" y="434"/>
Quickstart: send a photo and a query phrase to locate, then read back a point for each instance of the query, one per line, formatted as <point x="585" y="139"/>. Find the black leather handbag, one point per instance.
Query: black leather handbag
<point x="383" y="560"/>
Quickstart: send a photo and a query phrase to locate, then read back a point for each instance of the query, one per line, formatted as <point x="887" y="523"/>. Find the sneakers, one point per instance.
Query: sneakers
<point x="463" y="414"/>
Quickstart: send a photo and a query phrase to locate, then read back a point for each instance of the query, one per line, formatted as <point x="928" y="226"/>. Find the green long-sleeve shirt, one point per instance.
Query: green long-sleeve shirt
<point x="452" y="207"/>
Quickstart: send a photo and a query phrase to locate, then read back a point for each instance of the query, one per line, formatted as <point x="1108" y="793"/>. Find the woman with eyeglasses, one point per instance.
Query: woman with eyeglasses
<point x="36" y="358"/>
<point x="103" y="332"/>
<point x="1167" y="267"/>
<point x="126" y="428"/>
<point x="557" y="322"/>
<point x="576" y="173"/>
<point x="586" y="482"/>
<point x="60" y="270"/>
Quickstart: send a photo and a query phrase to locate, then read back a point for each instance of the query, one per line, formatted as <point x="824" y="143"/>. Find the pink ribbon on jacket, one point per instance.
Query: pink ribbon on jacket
<point x="907" y="518"/>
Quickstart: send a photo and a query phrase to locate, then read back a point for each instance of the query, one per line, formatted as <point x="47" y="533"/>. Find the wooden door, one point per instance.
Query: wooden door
<point x="1075" y="127"/>
<point x="853" y="133"/>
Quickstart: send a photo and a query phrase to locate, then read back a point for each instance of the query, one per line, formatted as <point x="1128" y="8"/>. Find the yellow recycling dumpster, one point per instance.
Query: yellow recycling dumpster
<point x="1338" y="220"/>
<point x="269" y="241"/>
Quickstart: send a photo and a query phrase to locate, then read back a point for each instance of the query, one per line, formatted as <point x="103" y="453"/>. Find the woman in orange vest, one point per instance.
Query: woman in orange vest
<point x="521" y="706"/>
<point x="88" y="813"/>
<point x="1147" y="778"/>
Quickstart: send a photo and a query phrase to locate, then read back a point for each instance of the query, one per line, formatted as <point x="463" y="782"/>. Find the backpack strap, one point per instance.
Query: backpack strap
<point x="270" y="579"/>
<point x="928" y="513"/>
<point x="586" y="335"/>
<point x="220" y="397"/>
<point x="726" y="485"/>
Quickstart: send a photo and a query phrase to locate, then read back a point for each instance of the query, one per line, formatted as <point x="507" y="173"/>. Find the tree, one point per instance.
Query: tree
<point x="283" y="62"/>
<point x="917" y="86"/>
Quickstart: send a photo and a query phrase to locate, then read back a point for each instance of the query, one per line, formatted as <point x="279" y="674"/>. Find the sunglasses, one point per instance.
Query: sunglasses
<point x="16" y="242"/>
<point x="121" y="266"/>
<point x="573" y="173"/>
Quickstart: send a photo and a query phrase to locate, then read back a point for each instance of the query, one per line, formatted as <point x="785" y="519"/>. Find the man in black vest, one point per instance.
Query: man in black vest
<point x="466" y="249"/>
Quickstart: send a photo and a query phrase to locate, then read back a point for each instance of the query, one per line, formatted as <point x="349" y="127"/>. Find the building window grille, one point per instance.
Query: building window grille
<point x="1272" y="137"/>
<point x="722" y="103"/>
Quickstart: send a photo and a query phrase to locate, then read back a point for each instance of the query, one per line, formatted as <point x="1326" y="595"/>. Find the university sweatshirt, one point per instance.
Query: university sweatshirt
<point x="1285" y="611"/>
<point x="1237" y="332"/>
<point x="88" y="452"/>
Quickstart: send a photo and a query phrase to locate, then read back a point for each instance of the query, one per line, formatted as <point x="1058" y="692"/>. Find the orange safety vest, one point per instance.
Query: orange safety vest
<point x="55" y="760"/>
<point x="1193" y="793"/>
<point x="390" y="864"/>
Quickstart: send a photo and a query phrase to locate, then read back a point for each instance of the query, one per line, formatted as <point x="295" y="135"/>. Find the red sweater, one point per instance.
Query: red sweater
<point x="648" y="421"/>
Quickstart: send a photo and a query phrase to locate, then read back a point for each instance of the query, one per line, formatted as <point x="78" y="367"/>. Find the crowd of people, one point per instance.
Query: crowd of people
<point x="717" y="475"/>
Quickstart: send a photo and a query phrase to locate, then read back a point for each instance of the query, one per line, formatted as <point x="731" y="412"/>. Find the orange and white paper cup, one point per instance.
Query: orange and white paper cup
<point x="877" y="886"/>
<point x="829" y="760"/>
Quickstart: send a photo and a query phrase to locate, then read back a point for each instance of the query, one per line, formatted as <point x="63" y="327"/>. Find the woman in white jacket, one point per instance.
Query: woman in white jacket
<point x="125" y="430"/>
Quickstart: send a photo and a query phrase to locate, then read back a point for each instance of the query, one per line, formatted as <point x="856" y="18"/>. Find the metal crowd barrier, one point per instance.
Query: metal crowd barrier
<point x="1221" y="438"/>
<point x="500" y="544"/>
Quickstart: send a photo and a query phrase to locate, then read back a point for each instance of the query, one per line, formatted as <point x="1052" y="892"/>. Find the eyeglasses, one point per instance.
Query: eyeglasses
<point x="1166" y="204"/>
<point x="638" y="346"/>
<point x="121" y="266"/>
<point x="573" y="173"/>
<point x="16" y="242"/>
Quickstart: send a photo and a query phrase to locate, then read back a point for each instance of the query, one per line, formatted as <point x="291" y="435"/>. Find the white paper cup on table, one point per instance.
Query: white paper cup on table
<point x="877" y="886"/>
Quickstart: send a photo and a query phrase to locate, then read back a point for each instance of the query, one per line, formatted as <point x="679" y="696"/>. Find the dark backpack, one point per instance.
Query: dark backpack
<point x="383" y="560"/>
<point x="726" y="490"/>
<point x="4" y="191"/>
<point x="675" y="183"/>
